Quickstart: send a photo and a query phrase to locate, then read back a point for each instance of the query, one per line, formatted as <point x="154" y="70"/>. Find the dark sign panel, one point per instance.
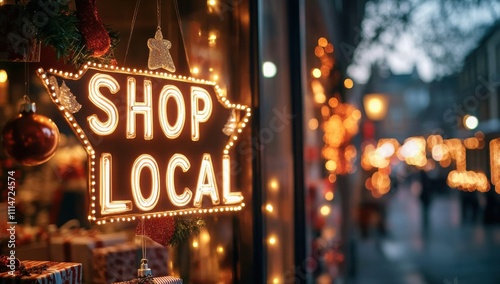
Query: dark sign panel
<point x="158" y="144"/>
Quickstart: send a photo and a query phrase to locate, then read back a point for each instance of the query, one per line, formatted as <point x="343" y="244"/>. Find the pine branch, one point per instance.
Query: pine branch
<point x="185" y="227"/>
<point x="62" y="34"/>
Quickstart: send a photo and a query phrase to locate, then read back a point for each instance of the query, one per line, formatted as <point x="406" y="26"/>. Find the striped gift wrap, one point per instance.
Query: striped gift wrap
<point x="55" y="273"/>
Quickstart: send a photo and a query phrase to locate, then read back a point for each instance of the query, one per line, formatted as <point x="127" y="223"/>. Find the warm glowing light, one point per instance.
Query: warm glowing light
<point x="204" y="237"/>
<point x="495" y="163"/>
<point x="470" y="122"/>
<point x="107" y="205"/>
<point x="333" y="102"/>
<point x="276" y="280"/>
<point x="207" y="184"/>
<point x="177" y="160"/>
<point x="212" y="39"/>
<point x="332" y="178"/>
<point x="272" y="240"/>
<point x="331" y="165"/>
<point x="413" y="151"/>
<point x="269" y="69"/>
<point x="348" y="83"/>
<point x="320" y="98"/>
<point x="317" y="87"/>
<point x="439" y="152"/>
<point x="95" y="96"/>
<point x="339" y="129"/>
<point x="319" y="51"/>
<point x="313" y="124"/>
<point x="274" y="184"/>
<point x="322" y="42"/>
<point x="171" y="92"/>
<point x="3" y="75"/>
<point x="269" y="208"/>
<point x="196" y="70"/>
<point x="376" y="106"/>
<point x="212" y="2"/>
<point x="329" y="48"/>
<point x="195" y="244"/>
<point x="227" y="196"/>
<point x="220" y="249"/>
<point x="468" y="181"/>
<point x="199" y="115"/>
<point x="316" y="73"/>
<point x="457" y="152"/>
<point x="145" y="161"/>
<point x="471" y="143"/>
<point x="329" y="196"/>
<point x="144" y="108"/>
<point x="381" y="182"/>
<point x="325" y="210"/>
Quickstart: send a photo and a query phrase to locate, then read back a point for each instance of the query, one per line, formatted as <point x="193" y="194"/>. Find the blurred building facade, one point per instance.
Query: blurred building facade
<point x="408" y="100"/>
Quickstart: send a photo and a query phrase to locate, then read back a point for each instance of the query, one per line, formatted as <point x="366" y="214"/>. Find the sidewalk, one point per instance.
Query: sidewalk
<point x="451" y="253"/>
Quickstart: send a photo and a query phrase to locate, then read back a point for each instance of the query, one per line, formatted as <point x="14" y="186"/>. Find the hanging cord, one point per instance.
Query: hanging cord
<point x="178" y="14"/>
<point x="143" y="240"/>
<point x="158" y="14"/>
<point x="26" y="77"/>
<point x="132" y="25"/>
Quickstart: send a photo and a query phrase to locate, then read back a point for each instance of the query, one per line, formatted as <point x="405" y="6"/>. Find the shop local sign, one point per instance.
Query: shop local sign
<point x="158" y="144"/>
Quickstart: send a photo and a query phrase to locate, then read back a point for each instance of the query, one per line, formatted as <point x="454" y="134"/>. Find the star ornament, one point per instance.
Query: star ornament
<point x="159" y="54"/>
<point x="155" y="141"/>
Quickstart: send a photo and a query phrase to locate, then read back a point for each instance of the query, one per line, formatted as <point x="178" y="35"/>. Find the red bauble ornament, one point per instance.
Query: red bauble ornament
<point x="29" y="138"/>
<point x="94" y="33"/>
<point x="159" y="229"/>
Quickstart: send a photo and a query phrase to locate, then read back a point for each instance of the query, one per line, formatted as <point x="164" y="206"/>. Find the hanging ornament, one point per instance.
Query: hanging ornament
<point x="64" y="94"/>
<point x="29" y="138"/>
<point x="159" y="230"/>
<point x="159" y="54"/>
<point x="94" y="34"/>
<point x="231" y="124"/>
<point x="168" y="230"/>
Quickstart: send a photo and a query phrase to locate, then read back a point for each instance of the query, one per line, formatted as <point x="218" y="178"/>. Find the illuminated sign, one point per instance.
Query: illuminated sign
<point x="158" y="144"/>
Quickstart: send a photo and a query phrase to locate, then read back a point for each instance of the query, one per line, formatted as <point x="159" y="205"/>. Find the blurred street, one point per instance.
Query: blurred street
<point x="452" y="252"/>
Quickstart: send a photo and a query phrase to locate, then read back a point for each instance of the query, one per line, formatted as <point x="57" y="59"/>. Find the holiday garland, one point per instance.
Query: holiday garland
<point x="185" y="227"/>
<point x="63" y="31"/>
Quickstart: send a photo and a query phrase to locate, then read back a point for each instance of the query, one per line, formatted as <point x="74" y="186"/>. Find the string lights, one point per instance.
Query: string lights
<point x="414" y="152"/>
<point x="100" y="182"/>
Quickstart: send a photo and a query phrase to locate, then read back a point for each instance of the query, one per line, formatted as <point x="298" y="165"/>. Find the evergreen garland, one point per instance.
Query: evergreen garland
<point x="185" y="227"/>
<point x="61" y="33"/>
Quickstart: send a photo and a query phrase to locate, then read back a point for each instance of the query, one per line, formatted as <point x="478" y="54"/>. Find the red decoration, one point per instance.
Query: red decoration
<point x="94" y="33"/>
<point x="29" y="138"/>
<point x="9" y="262"/>
<point x="159" y="229"/>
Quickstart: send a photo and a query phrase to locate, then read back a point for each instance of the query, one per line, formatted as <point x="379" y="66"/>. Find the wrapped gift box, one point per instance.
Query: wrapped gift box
<point x="158" y="280"/>
<point x="33" y="251"/>
<point x="120" y="262"/>
<point x="55" y="273"/>
<point x="79" y="245"/>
